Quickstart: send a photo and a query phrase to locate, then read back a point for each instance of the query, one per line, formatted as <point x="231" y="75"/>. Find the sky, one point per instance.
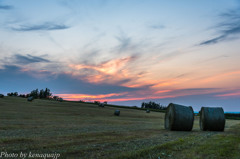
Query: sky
<point x="124" y="52"/>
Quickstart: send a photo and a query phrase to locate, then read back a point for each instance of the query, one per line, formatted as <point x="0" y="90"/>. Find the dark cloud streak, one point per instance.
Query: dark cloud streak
<point x="20" y="59"/>
<point x="43" y="27"/>
<point x="157" y="27"/>
<point x="61" y="83"/>
<point x="125" y="43"/>
<point x="213" y="40"/>
<point x="229" y="27"/>
<point x="5" y="7"/>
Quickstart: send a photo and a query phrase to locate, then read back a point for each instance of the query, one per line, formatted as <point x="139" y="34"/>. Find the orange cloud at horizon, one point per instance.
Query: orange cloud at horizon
<point x="162" y="91"/>
<point x="217" y="77"/>
<point x="88" y="96"/>
<point x="109" y="67"/>
<point x="229" y="94"/>
<point x="108" y="72"/>
<point x="102" y="98"/>
<point x="166" y="84"/>
<point x="136" y="95"/>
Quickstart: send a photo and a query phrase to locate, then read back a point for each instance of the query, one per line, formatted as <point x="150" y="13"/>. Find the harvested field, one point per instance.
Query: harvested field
<point x="78" y="130"/>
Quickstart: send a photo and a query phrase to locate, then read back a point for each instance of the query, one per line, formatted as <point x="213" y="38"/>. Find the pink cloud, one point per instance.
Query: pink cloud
<point x="229" y="94"/>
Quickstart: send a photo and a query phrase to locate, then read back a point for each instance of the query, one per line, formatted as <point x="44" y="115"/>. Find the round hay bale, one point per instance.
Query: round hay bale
<point x="179" y="117"/>
<point x="101" y="105"/>
<point x="30" y="99"/>
<point x="117" y="112"/>
<point x="147" y="111"/>
<point x="1" y="95"/>
<point x="212" y="119"/>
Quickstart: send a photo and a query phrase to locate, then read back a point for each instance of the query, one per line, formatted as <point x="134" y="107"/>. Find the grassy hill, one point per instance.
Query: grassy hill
<point x="78" y="130"/>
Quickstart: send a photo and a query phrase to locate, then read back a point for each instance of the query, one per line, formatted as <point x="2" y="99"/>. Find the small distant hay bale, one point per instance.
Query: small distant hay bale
<point x="105" y="102"/>
<point x="147" y="111"/>
<point x="101" y="105"/>
<point x="60" y="99"/>
<point x="1" y="95"/>
<point x="117" y="112"/>
<point x="179" y="117"/>
<point x="212" y="119"/>
<point x="30" y="99"/>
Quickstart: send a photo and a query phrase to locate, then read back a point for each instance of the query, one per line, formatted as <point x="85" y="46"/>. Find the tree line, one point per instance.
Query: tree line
<point x="153" y="105"/>
<point x="46" y="94"/>
<point x="41" y="94"/>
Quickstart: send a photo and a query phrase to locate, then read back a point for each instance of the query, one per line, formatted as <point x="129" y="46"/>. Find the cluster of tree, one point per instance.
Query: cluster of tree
<point x="24" y="95"/>
<point x="93" y="102"/>
<point x="153" y="105"/>
<point x="98" y="102"/>
<point x="232" y="116"/>
<point x="35" y="94"/>
<point x="57" y="98"/>
<point x="41" y="94"/>
<point x="15" y="94"/>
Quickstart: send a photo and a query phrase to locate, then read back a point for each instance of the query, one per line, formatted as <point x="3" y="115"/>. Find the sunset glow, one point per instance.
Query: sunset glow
<point x="102" y="98"/>
<point x="124" y="52"/>
<point x="237" y="94"/>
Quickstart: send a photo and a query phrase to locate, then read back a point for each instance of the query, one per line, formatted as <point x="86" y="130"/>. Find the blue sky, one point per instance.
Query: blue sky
<point x="124" y="52"/>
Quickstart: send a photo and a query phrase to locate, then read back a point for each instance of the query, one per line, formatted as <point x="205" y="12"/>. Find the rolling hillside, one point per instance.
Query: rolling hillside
<point x="78" y="130"/>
